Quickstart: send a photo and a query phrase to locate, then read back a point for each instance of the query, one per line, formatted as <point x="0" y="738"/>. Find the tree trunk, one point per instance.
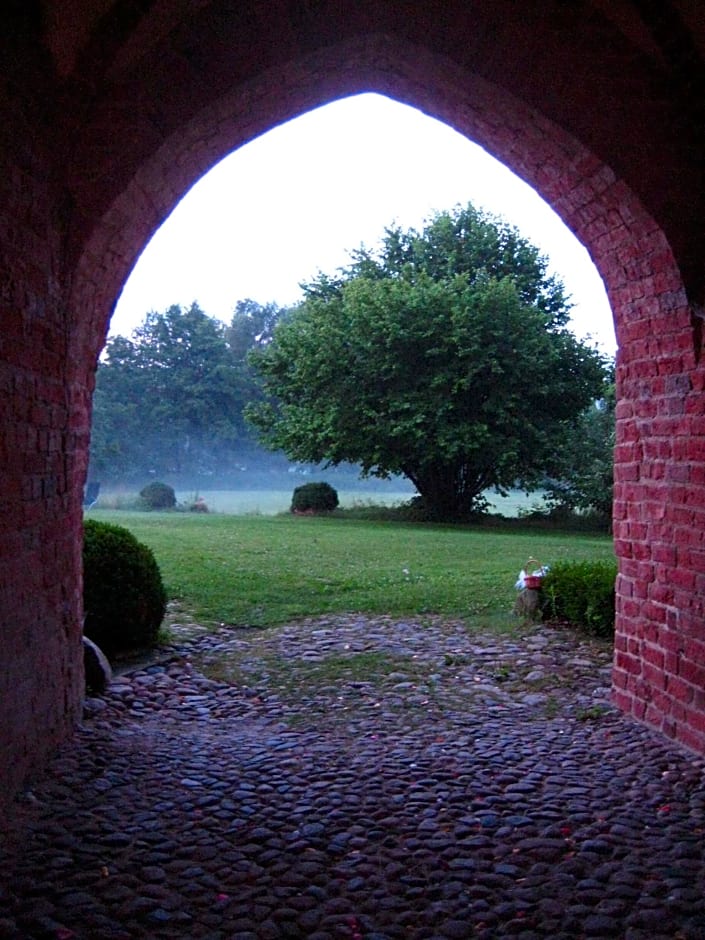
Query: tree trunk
<point x="445" y="492"/>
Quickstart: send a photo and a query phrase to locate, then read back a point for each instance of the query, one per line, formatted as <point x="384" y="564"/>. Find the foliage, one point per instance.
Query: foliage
<point x="158" y="496"/>
<point x="123" y="595"/>
<point x="260" y="570"/>
<point x="170" y="399"/>
<point x="585" y="480"/>
<point x="446" y="359"/>
<point x="314" y="497"/>
<point x="251" y="327"/>
<point x="582" y="592"/>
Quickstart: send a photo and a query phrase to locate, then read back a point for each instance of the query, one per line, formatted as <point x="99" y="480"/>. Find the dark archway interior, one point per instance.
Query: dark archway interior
<point x="111" y="110"/>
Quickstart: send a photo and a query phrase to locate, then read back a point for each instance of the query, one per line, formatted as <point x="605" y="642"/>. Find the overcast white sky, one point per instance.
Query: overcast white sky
<point x="298" y="199"/>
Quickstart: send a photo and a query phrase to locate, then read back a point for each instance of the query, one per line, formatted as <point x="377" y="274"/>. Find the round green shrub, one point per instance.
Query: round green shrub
<point x="581" y="592"/>
<point x="124" y="600"/>
<point x="158" y="496"/>
<point x="314" y="497"/>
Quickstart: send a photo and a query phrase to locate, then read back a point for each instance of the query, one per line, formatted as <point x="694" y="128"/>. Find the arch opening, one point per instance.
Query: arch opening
<point x="116" y="120"/>
<point x="313" y="189"/>
<point x="652" y="315"/>
<point x="301" y="197"/>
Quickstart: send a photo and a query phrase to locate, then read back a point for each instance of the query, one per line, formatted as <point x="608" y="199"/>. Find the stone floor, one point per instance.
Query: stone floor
<point x="357" y="777"/>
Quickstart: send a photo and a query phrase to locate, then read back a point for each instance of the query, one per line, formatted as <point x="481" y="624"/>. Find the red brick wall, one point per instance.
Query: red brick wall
<point x="659" y="668"/>
<point x="40" y="653"/>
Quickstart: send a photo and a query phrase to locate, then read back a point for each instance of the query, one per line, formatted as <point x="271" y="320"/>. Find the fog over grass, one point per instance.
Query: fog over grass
<point x="269" y="502"/>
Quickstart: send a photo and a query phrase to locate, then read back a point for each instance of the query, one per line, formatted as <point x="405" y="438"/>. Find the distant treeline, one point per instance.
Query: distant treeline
<point x="169" y="400"/>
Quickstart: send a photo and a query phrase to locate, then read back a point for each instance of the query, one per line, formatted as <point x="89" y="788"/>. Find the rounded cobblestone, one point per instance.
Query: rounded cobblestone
<point x="304" y="804"/>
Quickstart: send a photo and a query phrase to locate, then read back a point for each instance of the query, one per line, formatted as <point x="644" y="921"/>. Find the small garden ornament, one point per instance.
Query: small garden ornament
<point x="529" y="586"/>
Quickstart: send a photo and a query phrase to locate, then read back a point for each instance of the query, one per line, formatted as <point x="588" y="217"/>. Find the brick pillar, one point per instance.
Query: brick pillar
<point x="659" y="665"/>
<point x="40" y="647"/>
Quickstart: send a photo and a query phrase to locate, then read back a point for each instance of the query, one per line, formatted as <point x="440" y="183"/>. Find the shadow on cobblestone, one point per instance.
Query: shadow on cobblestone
<point x="361" y="778"/>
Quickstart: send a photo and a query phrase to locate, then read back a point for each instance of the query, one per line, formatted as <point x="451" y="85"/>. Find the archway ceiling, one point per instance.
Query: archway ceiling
<point x="626" y="79"/>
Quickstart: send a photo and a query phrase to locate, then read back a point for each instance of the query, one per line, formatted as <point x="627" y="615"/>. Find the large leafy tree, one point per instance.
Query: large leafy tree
<point x="444" y="357"/>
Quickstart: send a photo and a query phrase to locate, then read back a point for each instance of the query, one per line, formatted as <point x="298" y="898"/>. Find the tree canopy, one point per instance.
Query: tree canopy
<point x="445" y="357"/>
<point x="170" y="399"/>
<point x="586" y="476"/>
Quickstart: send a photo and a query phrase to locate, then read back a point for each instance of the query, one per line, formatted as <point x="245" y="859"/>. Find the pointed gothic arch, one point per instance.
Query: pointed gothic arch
<point x="113" y="112"/>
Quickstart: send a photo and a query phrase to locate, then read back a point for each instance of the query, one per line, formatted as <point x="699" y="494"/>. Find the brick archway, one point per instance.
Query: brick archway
<point x="141" y="107"/>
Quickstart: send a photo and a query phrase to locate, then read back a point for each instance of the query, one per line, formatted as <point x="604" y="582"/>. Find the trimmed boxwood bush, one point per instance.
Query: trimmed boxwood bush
<point x="158" y="496"/>
<point x="124" y="600"/>
<point x="314" y="497"/>
<point x="581" y="592"/>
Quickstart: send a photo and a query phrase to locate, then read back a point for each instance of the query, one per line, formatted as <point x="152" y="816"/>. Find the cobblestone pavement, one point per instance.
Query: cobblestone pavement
<point x="361" y="778"/>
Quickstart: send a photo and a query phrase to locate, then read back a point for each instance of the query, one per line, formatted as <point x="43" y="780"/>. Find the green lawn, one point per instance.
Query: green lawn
<point x="260" y="570"/>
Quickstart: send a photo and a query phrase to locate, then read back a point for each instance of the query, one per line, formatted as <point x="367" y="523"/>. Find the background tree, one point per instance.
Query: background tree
<point x="167" y="400"/>
<point x="251" y="327"/>
<point x="586" y="477"/>
<point x="445" y="357"/>
<point x="170" y="399"/>
<point x="194" y="392"/>
<point x="121" y="432"/>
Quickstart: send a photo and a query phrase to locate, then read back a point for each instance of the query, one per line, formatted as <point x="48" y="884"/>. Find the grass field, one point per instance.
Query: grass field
<point x="259" y="570"/>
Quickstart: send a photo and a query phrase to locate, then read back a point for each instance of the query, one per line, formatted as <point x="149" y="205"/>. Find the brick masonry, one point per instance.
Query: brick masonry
<point x="40" y="665"/>
<point x="110" y="111"/>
